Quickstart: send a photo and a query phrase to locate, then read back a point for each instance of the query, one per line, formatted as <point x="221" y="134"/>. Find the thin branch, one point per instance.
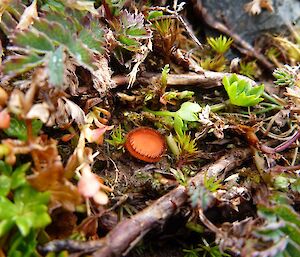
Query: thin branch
<point x="126" y="234"/>
<point x="207" y="79"/>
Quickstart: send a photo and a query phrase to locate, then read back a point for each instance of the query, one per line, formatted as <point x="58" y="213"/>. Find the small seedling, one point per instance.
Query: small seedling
<point x="187" y="112"/>
<point x="220" y="44"/>
<point x="117" y="139"/>
<point x="287" y="76"/>
<point x="241" y="93"/>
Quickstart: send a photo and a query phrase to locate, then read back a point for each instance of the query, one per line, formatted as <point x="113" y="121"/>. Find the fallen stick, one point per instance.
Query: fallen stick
<point x="121" y="239"/>
<point x="207" y="79"/>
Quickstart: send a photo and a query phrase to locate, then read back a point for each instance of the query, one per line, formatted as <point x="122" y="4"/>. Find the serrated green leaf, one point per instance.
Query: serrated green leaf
<point x="56" y="67"/>
<point x="127" y="41"/>
<point x="32" y="40"/>
<point x="66" y="21"/>
<point x="82" y="54"/>
<point x="287" y="213"/>
<point x="292" y="231"/>
<point x="135" y="32"/>
<point x="88" y="39"/>
<point x="241" y="93"/>
<point x="54" y="31"/>
<point x="21" y="63"/>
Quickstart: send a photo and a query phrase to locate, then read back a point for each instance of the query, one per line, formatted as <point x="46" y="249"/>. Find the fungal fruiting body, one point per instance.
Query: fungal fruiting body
<point x="145" y="144"/>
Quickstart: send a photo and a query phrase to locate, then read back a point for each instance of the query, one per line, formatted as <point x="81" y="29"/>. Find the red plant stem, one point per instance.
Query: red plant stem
<point x="282" y="146"/>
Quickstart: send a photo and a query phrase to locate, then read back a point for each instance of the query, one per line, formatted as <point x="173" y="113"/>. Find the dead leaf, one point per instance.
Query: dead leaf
<point x="74" y="111"/>
<point x="39" y="111"/>
<point x="102" y="76"/>
<point x="28" y="16"/>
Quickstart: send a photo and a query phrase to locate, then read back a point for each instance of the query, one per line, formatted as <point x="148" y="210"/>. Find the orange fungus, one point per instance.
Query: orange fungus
<point x="145" y="144"/>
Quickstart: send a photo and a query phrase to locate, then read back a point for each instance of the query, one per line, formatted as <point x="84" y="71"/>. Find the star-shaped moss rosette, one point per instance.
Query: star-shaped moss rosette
<point x="241" y="93"/>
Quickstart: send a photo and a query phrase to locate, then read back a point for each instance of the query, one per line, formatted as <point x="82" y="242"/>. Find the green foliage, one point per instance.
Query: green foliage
<point x="205" y="250"/>
<point x="187" y="145"/>
<point x="179" y="176"/>
<point x="117" y="138"/>
<point x="216" y="63"/>
<point x="164" y="77"/>
<point x="241" y="93"/>
<point x="20" y="246"/>
<point x="220" y="44"/>
<point x="154" y="14"/>
<point x="188" y="112"/>
<point x="286" y="76"/>
<point x="200" y="196"/>
<point x="130" y="31"/>
<point x="49" y="38"/>
<point x="281" y="232"/>
<point x="174" y="95"/>
<point x="115" y="6"/>
<point x="24" y="211"/>
<point x="18" y="128"/>
<point x="248" y="69"/>
<point x="212" y="184"/>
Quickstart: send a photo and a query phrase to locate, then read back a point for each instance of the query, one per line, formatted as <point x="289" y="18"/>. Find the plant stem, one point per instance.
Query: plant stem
<point x="219" y="107"/>
<point x="271" y="99"/>
<point x="160" y="113"/>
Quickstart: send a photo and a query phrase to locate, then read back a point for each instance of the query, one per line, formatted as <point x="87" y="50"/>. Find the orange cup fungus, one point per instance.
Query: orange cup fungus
<point x="145" y="144"/>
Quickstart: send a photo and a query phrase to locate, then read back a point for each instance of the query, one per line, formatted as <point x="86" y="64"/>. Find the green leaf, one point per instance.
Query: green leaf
<point x="82" y="54"/>
<point x="54" y="31"/>
<point x="287" y="213"/>
<point x="5" y="183"/>
<point x="18" y="177"/>
<point x="241" y="93"/>
<point x="18" y="64"/>
<point x="91" y="42"/>
<point x="36" y="126"/>
<point x="135" y="32"/>
<point x="23" y="223"/>
<point x="5" y="168"/>
<point x="127" y="41"/>
<point x="56" y="67"/>
<point x="8" y="209"/>
<point x="155" y="14"/>
<point x="5" y="226"/>
<point x="18" y="128"/>
<point x="188" y="111"/>
<point x="32" y="40"/>
<point x="178" y="125"/>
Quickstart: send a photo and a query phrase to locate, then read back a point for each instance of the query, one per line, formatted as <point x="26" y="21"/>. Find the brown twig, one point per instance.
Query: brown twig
<point x="243" y="46"/>
<point x="207" y="79"/>
<point x="128" y="232"/>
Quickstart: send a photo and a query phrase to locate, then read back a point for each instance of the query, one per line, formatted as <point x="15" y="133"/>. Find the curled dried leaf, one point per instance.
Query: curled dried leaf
<point x="28" y="16"/>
